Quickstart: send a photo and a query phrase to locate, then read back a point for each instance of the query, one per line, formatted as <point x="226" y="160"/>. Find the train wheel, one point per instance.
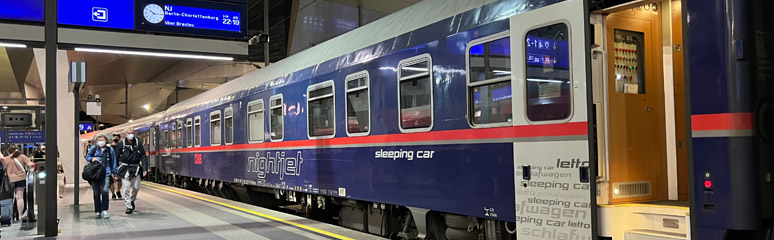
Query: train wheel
<point x="456" y="221"/>
<point x="460" y="234"/>
<point x="436" y="229"/>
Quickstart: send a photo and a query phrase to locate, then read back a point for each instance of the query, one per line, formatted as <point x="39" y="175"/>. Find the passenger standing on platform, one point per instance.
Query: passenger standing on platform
<point x="130" y="155"/>
<point x="115" y="185"/>
<point x="14" y="165"/>
<point x="40" y="155"/>
<point x="105" y="155"/>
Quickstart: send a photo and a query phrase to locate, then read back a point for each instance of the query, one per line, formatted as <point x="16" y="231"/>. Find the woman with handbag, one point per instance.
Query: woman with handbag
<point x="102" y="154"/>
<point x="14" y="165"/>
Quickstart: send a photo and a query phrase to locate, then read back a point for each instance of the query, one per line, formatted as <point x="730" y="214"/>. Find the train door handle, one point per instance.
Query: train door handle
<point x="526" y="172"/>
<point x="648" y="108"/>
<point x="584" y="174"/>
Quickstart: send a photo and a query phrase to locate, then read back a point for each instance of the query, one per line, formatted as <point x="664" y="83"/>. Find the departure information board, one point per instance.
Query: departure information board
<point x="191" y="17"/>
<point x="224" y="19"/>
<point x="26" y="136"/>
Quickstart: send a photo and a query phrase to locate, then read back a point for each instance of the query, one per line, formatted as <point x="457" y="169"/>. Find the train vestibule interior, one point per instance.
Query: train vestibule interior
<point x="639" y="100"/>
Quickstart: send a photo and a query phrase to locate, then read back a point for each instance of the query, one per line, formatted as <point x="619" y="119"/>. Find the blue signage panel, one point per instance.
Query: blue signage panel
<point x="205" y="18"/>
<point x="26" y="136"/>
<point x="86" y="127"/>
<point x="22" y="10"/>
<point x="96" y="13"/>
<point x="2" y="137"/>
<point x="190" y="17"/>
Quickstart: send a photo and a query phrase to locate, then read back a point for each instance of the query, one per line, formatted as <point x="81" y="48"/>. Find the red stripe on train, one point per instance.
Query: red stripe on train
<point x="722" y="121"/>
<point x="550" y="130"/>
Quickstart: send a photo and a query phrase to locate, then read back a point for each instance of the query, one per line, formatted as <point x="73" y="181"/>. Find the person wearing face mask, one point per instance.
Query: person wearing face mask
<point x="104" y="154"/>
<point x="115" y="186"/>
<point x="131" y="162"/>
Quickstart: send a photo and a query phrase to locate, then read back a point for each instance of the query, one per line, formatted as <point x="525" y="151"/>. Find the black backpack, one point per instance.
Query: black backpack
<point x="95" y="170"/>
<point x="6" y="189"/>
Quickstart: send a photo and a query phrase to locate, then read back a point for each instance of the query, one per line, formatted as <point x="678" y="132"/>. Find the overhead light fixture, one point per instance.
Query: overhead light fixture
<point x="155" y="54"/>
<point x="146" y="106"/>
<point x="13" y="45"/>
<point x="130" y="120"/>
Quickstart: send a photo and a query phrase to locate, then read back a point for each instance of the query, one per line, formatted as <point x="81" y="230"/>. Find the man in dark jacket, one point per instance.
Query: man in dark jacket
<point x="131" y="162"/>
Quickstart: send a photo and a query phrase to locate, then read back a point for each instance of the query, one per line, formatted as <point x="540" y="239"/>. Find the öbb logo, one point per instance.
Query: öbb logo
<point x="198" y="159"/>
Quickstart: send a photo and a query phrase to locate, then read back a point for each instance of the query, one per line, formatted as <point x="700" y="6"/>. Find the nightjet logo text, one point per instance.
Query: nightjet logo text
<point x="277" y="164"/>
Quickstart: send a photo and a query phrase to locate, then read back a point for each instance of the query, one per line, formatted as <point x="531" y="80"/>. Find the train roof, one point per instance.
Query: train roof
<point x="350" y="47"/>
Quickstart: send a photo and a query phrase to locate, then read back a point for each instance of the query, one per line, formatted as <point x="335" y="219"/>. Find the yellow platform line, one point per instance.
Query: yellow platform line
<point x="298" y="225"/>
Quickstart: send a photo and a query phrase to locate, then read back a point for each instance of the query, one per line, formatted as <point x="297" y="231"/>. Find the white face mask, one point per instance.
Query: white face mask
<point x="101" y="143"/>
<point x="130" y="136"/>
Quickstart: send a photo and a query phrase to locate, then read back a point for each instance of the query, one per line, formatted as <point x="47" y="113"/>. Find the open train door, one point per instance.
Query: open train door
<point x="153" y="155"/>
<point x="554" y="176"/>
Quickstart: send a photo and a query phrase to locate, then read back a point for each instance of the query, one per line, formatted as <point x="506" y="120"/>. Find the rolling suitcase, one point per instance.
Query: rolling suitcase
<point x="6" y="211"/>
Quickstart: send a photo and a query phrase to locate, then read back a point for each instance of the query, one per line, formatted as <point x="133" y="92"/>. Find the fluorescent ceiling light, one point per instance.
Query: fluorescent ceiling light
<point x="13" y="45"/>
<point x="155" y="54"/>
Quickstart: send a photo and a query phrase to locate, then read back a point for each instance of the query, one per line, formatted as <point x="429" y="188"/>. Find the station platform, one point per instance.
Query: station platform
<point x="170" y="213"/>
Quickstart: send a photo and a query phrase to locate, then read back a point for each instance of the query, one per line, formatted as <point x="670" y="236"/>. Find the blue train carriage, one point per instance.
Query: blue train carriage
<point x="405" y="128"/>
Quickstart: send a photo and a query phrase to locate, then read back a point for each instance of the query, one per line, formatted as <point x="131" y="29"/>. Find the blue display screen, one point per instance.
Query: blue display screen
<point x="118" y="14"/>
<point x="191" y="17"/>
<point x="26" y="136"/>
<point x="205" y="18"/>
<point x="543" y="51"/>
<point x="22" y="10"/>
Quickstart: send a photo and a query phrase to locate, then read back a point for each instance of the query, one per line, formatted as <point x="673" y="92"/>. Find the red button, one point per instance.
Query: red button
<point x="708" y="184"/>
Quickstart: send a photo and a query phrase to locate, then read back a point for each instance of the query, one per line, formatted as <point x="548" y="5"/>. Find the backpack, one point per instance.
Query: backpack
<point x="6" y="188"/>
<point x="130" y="152"/>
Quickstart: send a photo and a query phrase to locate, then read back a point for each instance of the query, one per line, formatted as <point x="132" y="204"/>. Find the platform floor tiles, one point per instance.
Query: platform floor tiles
<point x="169" y="213"/>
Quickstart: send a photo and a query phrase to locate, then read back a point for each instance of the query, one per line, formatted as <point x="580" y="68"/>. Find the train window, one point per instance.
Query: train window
<point x="489" y="82"/>
<point x="197" y="131"/>
<point x="321" y="110"/>
<point x="215" y="129"/>
<point x="173" y="136"/>
<point x="228" y="121"/>
<point x="255" y="123"/>
<point x="189" y="132"/>
<point x="180" y="134"/>
<point x="276" y="118"/>
<point x="358" y="104"/>
<point x="415" y="91"/>
<point x="548" y="73"/>
<point x="167" y="139"/>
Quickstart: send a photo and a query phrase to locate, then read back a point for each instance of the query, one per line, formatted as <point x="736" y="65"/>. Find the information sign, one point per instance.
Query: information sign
<point x="191" y="17"/>
<point x="101" y="14"/>
<point x="26" y="136"/>
<point x="22" y="10"/>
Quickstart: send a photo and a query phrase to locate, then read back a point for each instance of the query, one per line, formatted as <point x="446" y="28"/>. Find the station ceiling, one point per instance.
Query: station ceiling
<point x="153" y="84"/>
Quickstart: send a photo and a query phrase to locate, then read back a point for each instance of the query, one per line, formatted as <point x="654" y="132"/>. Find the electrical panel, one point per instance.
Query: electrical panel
<point x="629" y="62"/>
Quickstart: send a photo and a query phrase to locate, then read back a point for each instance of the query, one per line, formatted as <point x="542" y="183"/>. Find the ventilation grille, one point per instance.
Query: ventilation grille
<point x="631" y="189"/>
